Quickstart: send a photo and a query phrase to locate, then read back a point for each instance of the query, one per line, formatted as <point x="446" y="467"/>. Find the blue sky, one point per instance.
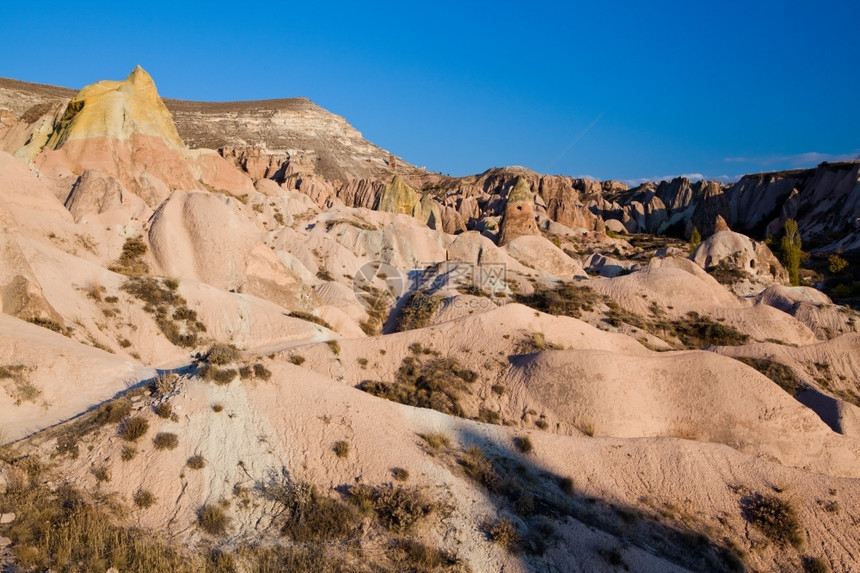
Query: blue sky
<point x="613" y="90"/>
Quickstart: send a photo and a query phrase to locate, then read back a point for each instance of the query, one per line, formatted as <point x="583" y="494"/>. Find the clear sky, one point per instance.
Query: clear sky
<point x="613" y="90"/>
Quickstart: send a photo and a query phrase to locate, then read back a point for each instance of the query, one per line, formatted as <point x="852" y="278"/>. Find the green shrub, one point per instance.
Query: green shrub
<point x="134" y="428"/>
<point x="792" y="250"/>
<point x="165" y="441"/>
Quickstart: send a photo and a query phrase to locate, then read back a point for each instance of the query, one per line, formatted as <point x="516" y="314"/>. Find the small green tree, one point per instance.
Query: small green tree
<point x="792" y="251"/>
<point x="836" y="264"/>
<point x="695" y="239"/>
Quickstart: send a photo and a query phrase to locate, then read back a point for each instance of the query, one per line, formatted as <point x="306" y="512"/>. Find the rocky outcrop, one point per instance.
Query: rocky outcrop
<point x="398" y="197"/>
<point x="519" y="215"/>
<point x="739" y="252"/>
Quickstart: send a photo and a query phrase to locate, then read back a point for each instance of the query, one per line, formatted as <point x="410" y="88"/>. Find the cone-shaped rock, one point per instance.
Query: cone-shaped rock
<point x="519" y="217"/>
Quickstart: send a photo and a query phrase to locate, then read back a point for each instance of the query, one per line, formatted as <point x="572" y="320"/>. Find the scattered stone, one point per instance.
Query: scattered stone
<point x="6" y="518"/>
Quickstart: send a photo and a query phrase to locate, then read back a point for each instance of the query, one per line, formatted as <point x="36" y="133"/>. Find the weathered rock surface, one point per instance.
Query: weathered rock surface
<point x="519" y="214"/>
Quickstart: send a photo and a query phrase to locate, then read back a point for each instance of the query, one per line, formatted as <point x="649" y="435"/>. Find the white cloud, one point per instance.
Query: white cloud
<point x="808" y="159"/>
<point x="640" y="181"/>
<point x="691" y="176"/>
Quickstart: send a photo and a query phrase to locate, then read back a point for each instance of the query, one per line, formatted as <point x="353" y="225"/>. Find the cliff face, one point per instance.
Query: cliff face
<point x="303" y="147"/>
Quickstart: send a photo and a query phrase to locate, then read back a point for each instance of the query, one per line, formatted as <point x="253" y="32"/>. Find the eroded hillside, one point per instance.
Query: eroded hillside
<point x="297" y="352"/>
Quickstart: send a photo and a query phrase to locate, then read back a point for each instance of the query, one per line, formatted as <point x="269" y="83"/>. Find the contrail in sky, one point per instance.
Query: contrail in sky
<point x="578" y="137"/>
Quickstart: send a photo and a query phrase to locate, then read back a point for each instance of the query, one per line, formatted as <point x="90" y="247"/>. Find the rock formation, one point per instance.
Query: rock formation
<point x="519" y="215"/>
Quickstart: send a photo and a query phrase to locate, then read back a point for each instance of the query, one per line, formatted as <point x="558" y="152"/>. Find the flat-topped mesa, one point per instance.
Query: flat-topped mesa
<point x="519" y="216"/>
<point x="117" y="109"/>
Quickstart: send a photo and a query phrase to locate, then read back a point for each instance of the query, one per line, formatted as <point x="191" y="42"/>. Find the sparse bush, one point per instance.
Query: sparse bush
<point x="524" y="444"/>
<point x="776" y="371"/>
<point x="220" y="376"/>
<point x="417" y="311"/>
<point x="310" y="318"/>
<point x="701" y="331"/>
<point x="335" y="347"/>
<point x="217" y="407"/>
<point x="143" y="498"/>
<point x="425" y="557"/>
<point x="341" y="448"/>
<point x="222" y="354"/>
<point x="134" y="428"/>
<point x="400" y="474"/>
<point x="164" y="410"/>
<point x="566" y="299"/>
<point x="213" y="520"/>
<point x="479" y="468"/>
<point x="498" y="389"/>
<point x="305" y="515"/>
<point x="504" y="533"/>
<point x="815" y="565"/>
<point x="434" y="384"/>
<point x="101" y="473"/>
<point x="436" y="441"/>
<point x="399" y="508"/>
<point x="297" y="359"/>
<point x="489" y="416"/>
<point x="196" y="462"/>
<point x="176" y="321"/>
<point x="131" y="261"/>
<point x="128" y="453"/>
<point x="165" y="441"/>
<point x="261" y="372"/>
<point x="776" y="518"/>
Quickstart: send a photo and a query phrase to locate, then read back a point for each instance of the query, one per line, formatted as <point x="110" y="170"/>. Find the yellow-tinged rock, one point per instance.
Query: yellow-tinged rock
<point x="117" y="109"/>
<point x="398" y="197"/>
